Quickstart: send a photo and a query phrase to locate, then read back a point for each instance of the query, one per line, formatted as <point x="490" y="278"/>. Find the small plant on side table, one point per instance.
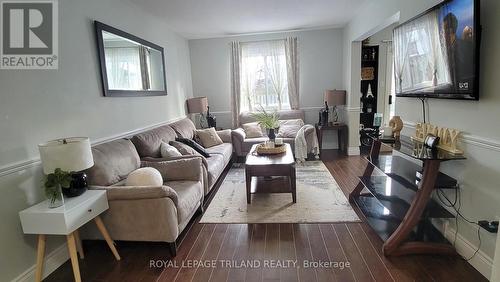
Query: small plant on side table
<point x="54" y="182"/>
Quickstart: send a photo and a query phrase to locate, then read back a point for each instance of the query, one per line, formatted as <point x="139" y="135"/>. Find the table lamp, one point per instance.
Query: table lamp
<point x="70" y="155"/>
<point x="334" y="98"/>
<point x="199" y="105"/>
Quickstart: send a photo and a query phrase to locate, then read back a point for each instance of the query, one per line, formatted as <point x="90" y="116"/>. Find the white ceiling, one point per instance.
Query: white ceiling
<point x="216" y="18"/>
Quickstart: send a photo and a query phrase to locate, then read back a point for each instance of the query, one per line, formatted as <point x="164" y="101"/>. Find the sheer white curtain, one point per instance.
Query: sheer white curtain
<point x="123" y="68"/>
<point x="419" y="59"/>
<point x="292" y="67"/>
<point x="235" y="82"/>
<point x="263" y="76"/>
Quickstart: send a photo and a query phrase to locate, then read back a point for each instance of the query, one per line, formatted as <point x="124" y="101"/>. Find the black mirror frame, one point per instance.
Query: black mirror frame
<point x="99" y="28"/>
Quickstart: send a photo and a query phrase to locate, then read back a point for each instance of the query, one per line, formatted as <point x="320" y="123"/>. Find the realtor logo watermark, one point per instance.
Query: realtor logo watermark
<point x="29" y="34"/>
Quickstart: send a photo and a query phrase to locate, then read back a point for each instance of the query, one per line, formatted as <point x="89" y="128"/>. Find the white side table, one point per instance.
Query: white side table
<point x="65" y="220"/>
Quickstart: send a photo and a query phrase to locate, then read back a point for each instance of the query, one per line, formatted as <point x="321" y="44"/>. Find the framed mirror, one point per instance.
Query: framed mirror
<point x="130" y="66"/>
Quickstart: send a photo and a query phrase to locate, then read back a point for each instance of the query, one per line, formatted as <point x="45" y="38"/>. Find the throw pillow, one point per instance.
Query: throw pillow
<point x="145" y="176"/>
<point x="208" y="137"/>
<point x="289" y="128"/>
<point x="252" y="130"/>
<point x="168" y="151"/>
<point x="184" y="149"/>
<point x="197" y="147"/>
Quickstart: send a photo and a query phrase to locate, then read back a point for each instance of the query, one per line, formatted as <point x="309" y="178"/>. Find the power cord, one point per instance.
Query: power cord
<point x="457" y="211"/>
<point x="423" y="108"/>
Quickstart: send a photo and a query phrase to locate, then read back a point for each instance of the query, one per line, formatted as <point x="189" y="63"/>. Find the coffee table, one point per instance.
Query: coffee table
<point x="259" y="166"/>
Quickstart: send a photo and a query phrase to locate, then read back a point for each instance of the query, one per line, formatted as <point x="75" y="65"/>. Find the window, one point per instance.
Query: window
<point x="263" y="76"/>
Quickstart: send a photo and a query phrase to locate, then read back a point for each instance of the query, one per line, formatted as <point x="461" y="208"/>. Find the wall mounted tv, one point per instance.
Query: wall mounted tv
<point x="436" y="54"/>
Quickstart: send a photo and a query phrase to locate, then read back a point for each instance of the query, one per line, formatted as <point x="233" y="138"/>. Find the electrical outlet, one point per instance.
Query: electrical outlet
<point x="490" y="226"/>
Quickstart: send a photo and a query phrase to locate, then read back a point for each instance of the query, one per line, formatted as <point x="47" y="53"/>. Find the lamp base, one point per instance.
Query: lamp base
<point x="78" y="185"/>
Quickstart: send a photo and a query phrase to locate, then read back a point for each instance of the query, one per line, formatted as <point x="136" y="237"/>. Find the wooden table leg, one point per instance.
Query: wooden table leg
<point x="105" y="234"/>
<point x="40" y="254"/>
<point x="293" y="183"/>
<point x="79" y="247"/>
<point x="319" y="132"/>
<point x="74" y="258"/>
<point x="248" y="181"/>
<point x="339" y="139"/>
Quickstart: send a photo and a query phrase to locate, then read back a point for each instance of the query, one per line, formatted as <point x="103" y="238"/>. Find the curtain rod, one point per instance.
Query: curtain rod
<point x="257" y="41"/>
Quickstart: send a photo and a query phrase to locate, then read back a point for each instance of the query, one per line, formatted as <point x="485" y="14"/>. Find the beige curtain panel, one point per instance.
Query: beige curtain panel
<point x="292" y="68"/>
<point x="235" y="81"/>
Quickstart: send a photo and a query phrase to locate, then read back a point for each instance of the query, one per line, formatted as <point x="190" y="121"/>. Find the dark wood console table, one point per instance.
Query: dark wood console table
<point x="398" y="204"/>
<point x="341" y="134"/>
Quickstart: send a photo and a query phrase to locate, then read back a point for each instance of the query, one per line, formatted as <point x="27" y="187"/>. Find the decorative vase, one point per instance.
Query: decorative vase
<point x="56" y="199"/>
<point x="397" y="125"/>
<point x="78" y="185"/>
<point x="271" y="134"/>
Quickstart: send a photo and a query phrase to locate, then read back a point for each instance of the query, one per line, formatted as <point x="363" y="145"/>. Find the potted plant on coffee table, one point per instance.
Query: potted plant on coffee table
<point x="268" y="120"/>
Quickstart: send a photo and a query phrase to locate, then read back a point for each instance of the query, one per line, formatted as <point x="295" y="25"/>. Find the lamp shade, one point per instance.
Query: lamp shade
<point x="197" y="105"/>
<point x="68" y="154"/>
<point x="335" y="97"/>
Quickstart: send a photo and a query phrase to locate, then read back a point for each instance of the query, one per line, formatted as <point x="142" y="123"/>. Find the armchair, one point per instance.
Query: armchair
<point x="140" y="213"/>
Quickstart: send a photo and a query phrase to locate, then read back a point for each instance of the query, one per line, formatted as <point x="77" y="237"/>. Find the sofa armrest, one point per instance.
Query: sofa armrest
<point x="238" y="136"/>
<point x="137" y="192"/>
<point x="225" y="135"/>
<point x="181" y="169"/>
<point x="309" y="130"/>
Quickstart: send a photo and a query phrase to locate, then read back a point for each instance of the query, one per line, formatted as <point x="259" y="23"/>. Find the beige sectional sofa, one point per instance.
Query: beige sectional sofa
<point x="242" y="144"/>
<point x="154" y="213"/>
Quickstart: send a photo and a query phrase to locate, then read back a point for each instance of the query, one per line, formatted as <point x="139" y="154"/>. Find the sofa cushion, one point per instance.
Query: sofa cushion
<point x="189" y="196"/>
<point x="113" y="161"/>
<point x="184" y="128"/>
<point x="289" y="128"/>
<point x="144" y="176"/>
<point x="215" y="166"/>
<point x="208" y="137"/>
<point x="197" y="147"/>
<point x="252" y="130"/>
<point x="224" y="149"/>
<point x="148" y="143"/>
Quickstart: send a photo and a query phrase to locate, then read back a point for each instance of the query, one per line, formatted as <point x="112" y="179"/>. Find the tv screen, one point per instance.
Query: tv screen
<point x="436" y="54"/>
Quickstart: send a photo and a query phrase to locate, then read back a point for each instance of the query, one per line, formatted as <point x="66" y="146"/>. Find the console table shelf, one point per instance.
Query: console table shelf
<point x="398" y="205"/>
<point x="397" y="197"/>
<point x="404" y="171"/>
<point x="384" y="223"/>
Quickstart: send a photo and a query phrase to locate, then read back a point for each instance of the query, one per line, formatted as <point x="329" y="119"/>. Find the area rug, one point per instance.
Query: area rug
<point x="319" y="200"/>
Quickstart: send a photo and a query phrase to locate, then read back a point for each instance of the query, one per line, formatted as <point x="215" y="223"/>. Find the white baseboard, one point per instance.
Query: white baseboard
<point x="51" y="262"/>
<point x="353" y="151"/>
<point x="481" y="261"/>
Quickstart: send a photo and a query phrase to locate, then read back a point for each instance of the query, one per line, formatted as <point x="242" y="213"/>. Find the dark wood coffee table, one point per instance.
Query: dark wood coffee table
<point x="259" y="166"/>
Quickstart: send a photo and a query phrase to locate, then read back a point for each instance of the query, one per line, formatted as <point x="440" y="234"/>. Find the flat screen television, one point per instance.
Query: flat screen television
<point x="436" y="54"/>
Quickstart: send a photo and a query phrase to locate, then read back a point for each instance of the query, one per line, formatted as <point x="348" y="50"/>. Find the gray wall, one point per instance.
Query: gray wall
<point x="479" y="175"/>
<point x="41" y="105"/>
<point x="320" y="59"/>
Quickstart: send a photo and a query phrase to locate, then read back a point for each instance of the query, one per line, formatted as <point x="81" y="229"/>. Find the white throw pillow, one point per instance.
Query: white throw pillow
<point x="289" y="128"/>
<point x="145" y="176"/>
<point x="252" y="130"/>
<point x="168" y="151"/>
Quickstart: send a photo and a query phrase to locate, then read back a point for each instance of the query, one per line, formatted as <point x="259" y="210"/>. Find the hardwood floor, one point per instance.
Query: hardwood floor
<point x="231" y="245"/>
